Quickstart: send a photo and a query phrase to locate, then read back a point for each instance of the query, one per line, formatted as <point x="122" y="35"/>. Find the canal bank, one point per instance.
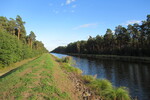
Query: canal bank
<point x="133" y="75"/>
<point x="114" y="57"/>
<point x="90" y="87"/>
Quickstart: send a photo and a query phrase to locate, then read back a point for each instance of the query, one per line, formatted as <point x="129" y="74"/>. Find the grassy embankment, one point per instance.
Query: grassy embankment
<point x="114" y="57"/>
<point x="14" y="66"/>
<point x="39" y="79"/>
<point x="43" y="78"/>
<point x="100" y="87"/>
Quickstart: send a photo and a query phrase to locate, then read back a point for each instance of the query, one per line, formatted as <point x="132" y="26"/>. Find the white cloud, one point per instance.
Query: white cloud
<point x="69" y="1"/>
<point x="86" y="26"/>
<point x="113" y="32"/>
<point x="132" y="22"/>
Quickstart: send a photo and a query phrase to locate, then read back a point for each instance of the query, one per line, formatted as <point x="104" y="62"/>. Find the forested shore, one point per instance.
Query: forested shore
<point x="15" y="44"/>
<point x="113" y="57"/>
<point x="133" y="40"/>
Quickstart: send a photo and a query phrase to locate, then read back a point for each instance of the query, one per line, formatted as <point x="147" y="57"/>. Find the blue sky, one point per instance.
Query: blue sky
<point x="59" y="22"/>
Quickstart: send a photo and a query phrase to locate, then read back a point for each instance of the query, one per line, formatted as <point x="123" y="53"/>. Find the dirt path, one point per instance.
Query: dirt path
<point x="63" y="82"/>
<point x="14" y="66"/>
<point x="73" y="83"/>
<point x="40" y="79"/>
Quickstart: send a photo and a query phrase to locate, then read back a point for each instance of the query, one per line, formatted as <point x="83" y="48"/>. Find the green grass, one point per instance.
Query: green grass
<point x="72" y="69"/>
<point x="87" y="79"/>
<point x="120" y="93"/>
<point x="101" y="87"/>
<point x="32" y="81"/>
<point x="35" y="80"/>
<point x="67" y="59"/>
<point x="67" y="63"/>
<point x="104" y="88"/>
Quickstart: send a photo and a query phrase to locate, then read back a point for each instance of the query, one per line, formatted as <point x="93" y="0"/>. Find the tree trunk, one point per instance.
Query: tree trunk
<point x="18" y="33"/>
<point x="31" y="44"/>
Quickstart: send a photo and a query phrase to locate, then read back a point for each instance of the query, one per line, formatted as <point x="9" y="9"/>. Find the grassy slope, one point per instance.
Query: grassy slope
<point x="14" y="66"/>
<point x="39" y="79"/>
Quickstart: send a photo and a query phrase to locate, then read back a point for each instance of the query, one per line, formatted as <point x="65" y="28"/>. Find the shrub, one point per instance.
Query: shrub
<point x="104" y="88"/>
<point x="13" y="50"/>
<point x="120" y="93"/>
<point x="99" y="85"/>
<point x="87" y="79"/>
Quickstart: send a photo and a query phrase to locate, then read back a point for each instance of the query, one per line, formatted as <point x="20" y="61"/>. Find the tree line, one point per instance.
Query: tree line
<point x="133" y="40"/>
<point x="15" y="44"/>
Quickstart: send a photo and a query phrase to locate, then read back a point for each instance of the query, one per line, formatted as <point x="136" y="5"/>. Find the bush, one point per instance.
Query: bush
<point x="67" y="59"/>
<point x="10" y="48"/>
<point x="120" y="93"/>
<point x="13" y="50"/>
<point x="99" y="85"/>
<point x="67" y="62"/>
<point x="104" y="88"/>
<point x="87" y="79"/>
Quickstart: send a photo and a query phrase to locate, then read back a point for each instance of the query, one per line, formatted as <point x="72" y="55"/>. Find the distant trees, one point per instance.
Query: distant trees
<point x="15" y="45"/>
<point x="60" y="49"/>
<point x="131" y="41"/>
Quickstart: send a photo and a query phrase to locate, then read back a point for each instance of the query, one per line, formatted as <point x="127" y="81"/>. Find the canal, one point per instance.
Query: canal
<point x="135" y="76"/>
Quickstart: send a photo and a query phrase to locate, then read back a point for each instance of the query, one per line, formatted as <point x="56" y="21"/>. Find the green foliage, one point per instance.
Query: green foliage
<point x="66" y="64"/>
<point x="105" y="89"/>
<point x="20" y="24"/>
<point x="120" y="93"/>
<point x="69" y="68"/>
<point x="87" y="79"/>
<point x="39" y="82"/>
<point x="12" y="49"/>
<point x="100" y="85"/>
<point x="131" y="41"/>
<point x="67" y="59"/>
<point x="32" y="36"/>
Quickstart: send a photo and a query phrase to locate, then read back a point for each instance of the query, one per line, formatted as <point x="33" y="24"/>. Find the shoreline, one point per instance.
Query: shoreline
<point x="113" y="57"/>
<point x="67" y="80"/>
<point x="87" y="85"/>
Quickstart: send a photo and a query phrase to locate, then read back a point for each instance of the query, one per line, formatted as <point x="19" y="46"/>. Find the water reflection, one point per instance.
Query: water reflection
<point x="135" y="76"/>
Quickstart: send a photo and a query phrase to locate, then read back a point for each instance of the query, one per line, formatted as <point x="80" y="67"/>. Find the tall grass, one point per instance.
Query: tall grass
<point x="104" y="88"/>
<point x="88" y="79"/>
<point x="120" y="93"/>
<point x="72" y="69"/>
<point x="101" y="87"/>
<point x="67" y="63"/>
<point x="67" y="59"/>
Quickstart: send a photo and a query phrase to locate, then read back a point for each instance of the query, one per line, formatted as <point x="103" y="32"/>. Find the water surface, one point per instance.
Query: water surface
<point x="135" y="76"/>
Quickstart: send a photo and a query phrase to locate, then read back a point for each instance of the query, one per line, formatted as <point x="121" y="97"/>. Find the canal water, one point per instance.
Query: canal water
<point x="134" y="76"/>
